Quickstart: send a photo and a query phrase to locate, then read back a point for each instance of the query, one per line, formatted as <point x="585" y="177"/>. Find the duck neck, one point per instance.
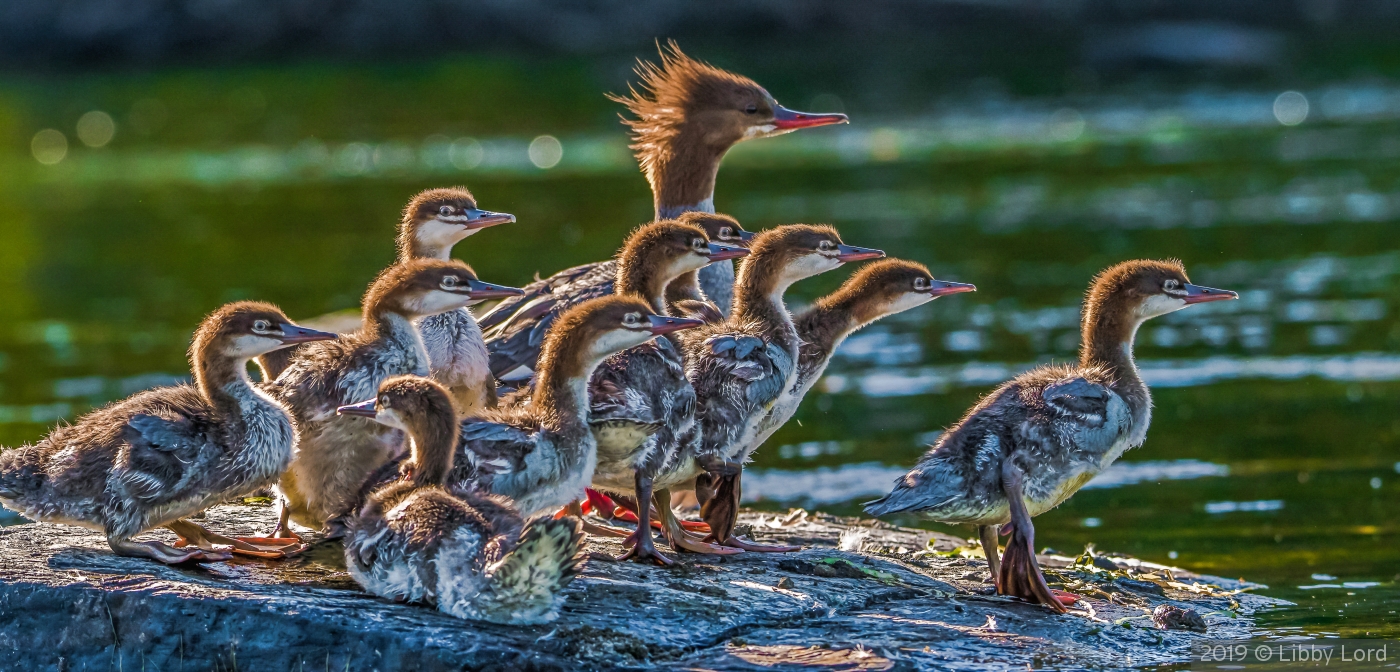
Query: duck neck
<point x="561" y="385"/>
<point x="684" y="181"/>
<point x="758" y="299"/>
<point x="433" y="442"/>
<point x="416" y="249"/>
<point x="830" y="320"/>
<point x="686" y="287"/>
<point x="640" y="275"/>
<point x="1108" y="332"/>
<point x="224" y="383"/>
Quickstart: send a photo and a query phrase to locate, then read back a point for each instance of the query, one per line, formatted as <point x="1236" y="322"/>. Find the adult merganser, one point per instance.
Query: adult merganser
<point x="877" y="290"/>
<point x="334" y="453"/>
<point x="1038" y="438"/>
<point x="433" y="222"/>
<point x="739" y="367"/>
<point x="152" y="459"/>
<point x="469" y="554"/>
<point x="688" y="115"/>
<point x="542" y="454"/>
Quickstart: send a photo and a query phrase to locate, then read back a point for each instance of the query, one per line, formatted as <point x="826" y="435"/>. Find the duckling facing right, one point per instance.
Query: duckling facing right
<point x="336" y="454"/>
<point x="1038" y="438"/>
<point x="542" y="453"/>
<point x="470" y="554"/>
<point x="152" y="459"/>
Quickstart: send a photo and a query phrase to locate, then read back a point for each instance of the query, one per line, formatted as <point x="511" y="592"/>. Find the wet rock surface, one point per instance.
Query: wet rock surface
<point x="894" y="598"/>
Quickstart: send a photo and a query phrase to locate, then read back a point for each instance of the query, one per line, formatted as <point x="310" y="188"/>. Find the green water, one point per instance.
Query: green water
<point x="1274" y="454"/>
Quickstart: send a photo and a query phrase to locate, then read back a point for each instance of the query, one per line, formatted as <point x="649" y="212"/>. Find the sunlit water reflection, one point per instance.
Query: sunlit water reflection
<point x="1275" y="447"/>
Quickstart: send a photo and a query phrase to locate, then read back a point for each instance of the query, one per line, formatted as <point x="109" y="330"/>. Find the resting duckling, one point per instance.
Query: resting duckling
<point x="879" y="289"/>
<point x="152" y="459"/>
<point x="542" y="454"/>
<point x="1038" y="438"/>
<point x="335" y="454"/>
<point x="469" y="554"/>
<point x="740" y="366"/>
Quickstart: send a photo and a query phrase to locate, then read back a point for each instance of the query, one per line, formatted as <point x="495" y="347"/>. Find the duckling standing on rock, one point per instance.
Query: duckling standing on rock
<point x="740" y="367"/>
<point x="639" y="399"/>
<point x="468" y="553"/>
<point x="335" y="454"/>
<point x="688" y="115"/>
<point x="433" y="222"/>
<point x="542" y="453"/>
<point x="152" y="459"/>
<point x="1038" y="438"/>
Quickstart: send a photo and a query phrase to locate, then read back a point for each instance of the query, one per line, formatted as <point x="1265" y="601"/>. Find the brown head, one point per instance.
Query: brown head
<point x="783" y="255"/>
<point x="421" y="287"/>
<point x="661" y="251"/>
<point x="422" y="409"/>
<point x="436" y="219"/>
<point x="689" y="113"/>
<point x="238" y="332"/>
<point x="586" y="334"/>
<point x="886" y="287"/>
<point x="1125" y="295"/>
<point x="720" y="228"/>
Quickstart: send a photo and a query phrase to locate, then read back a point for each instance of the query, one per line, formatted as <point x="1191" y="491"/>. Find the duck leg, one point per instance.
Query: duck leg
<point x="676" y="534"/>
<point x="643" y="547"/>
<point x="283" y="531"/>
<point x="722" y="511"/>
<point x="1020" y="573"/>
<point x="192" y="534"/>
<point x="988" y="535"/>
<point x="164" y="553"/>
<point x="575" y="509"/>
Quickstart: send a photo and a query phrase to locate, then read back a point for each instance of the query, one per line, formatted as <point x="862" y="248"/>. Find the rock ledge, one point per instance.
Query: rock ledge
<point x="906" y="599"/>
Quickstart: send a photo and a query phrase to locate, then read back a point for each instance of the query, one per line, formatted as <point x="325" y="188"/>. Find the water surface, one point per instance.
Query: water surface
<point x="1274" y="454"/>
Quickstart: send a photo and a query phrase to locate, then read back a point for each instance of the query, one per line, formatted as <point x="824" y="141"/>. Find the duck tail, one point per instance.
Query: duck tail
<point x="524" y="586"/>
<point x="21" y="472"/>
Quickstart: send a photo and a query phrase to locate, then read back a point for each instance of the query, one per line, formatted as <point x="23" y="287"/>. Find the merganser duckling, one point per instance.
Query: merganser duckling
<point x="542" y="454"/>
<point x="877" y="290"/>
<point x="640" y="402"/>
<point x="469" y="554"/>
<point x="719" y="227"/>
<point x="163" y="454"/>
<point x="739" y="367"/>
<point x="688" y="115"/>
<point x="433" y="222"/>
<point x="1038" y="438"/>
<point x="335" y="454"/>
<point x="654" y="255"/>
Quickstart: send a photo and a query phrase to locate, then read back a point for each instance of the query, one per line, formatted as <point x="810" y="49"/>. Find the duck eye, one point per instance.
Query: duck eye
<point x="826" y="246"/>
<point x="920" y="283"/>
<point x="751" y="109"/>
<point x="1170" y="285"/>
<point x="726" y="232"/>
<point x="631" y="319"/>
<point x="449" y="282"/>
<point x="445" y="210"/>
<point x="384" y="402"/>
<point x="698" y="243"/>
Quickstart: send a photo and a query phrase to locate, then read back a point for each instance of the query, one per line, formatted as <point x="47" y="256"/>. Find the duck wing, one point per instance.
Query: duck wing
<point x="735" y="376"/>
<point x="167" y="449"/>
<point x="515" y="332"/>
<point x="1078" y="398"/>
<point x="488" y="449"/>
